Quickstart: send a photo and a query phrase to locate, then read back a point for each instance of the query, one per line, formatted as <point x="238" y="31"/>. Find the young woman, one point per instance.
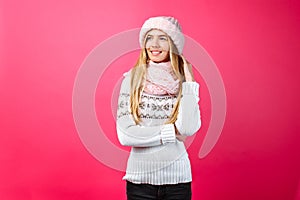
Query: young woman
<point x="157" y="109"/>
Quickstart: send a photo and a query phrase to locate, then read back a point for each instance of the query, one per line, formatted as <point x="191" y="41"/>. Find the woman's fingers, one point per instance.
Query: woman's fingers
<point x="188" y="72"/>
<point x="181" y="137"/>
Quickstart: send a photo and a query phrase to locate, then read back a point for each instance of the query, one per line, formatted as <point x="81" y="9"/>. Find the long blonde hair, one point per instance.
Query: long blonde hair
<point x="138" y="74"/>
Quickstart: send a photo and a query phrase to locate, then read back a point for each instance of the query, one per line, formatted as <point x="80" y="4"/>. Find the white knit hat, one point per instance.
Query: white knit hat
<point x="169" y="25"/>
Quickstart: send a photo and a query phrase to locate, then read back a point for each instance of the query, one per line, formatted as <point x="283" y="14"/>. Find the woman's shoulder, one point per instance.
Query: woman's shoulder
<point x="125" y="85"/>
<point x="127" y="74"/>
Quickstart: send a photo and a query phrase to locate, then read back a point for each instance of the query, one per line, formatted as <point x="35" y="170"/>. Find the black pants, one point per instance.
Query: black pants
<point x="181" y="191"/>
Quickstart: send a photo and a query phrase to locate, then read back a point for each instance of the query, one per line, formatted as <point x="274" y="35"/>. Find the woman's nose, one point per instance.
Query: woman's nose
<point x="154" y="43"/>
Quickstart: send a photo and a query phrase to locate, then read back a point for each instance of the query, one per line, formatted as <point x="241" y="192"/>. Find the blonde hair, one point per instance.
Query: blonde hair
<point x="138" y="74"/>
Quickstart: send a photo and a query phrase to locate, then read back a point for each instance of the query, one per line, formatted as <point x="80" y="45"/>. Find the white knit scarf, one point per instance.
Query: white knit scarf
<point x="161" y="79"/>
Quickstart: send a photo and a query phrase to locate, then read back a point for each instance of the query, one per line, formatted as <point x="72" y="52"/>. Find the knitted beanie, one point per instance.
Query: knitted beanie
<point x="169" y="25"/>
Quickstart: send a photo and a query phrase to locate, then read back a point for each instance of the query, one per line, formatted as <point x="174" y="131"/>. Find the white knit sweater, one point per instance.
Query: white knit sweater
<point x="157" y="157"/>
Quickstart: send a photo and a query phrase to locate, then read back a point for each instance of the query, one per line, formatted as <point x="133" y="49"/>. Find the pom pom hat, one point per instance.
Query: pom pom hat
<point x="169" y="25"/>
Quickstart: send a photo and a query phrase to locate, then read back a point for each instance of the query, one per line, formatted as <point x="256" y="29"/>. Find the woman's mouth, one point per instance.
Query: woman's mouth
<point x="155" y="52"/>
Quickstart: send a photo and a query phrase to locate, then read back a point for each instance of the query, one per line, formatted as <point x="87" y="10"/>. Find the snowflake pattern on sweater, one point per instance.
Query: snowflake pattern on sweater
<point x="157" y="157"/>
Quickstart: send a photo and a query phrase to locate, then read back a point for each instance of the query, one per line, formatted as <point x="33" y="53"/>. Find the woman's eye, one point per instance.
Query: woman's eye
<point x="163" y="38"/>
<point x="148" y="38"/>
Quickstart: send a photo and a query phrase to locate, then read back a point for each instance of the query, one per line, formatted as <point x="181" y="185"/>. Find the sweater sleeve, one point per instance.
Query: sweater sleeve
<point x="188" y="120"/>
<point x="132" y="134"/>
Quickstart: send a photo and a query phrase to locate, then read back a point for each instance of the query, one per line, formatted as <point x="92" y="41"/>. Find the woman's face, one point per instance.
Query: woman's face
<point x="157" y="46"/>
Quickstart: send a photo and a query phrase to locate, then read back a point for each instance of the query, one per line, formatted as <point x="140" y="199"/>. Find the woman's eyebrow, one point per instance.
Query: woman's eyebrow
<point x="157" y="35"/>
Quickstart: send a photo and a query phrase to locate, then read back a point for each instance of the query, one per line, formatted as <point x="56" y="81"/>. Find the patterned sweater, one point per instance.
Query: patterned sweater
<point x="157" y="157"/>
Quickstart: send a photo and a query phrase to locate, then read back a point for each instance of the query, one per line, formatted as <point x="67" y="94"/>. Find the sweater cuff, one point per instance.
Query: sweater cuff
<point x="168" y="133"/>
<point x="191" y="88"/>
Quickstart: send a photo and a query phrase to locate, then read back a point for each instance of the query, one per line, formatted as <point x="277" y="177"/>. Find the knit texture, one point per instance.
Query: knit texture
<point x="160" y="79"/>
<point x="157" y="157"/>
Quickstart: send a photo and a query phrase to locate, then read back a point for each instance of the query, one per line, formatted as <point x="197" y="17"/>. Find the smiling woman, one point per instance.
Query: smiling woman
<point x="157" y="45"/>
<point x="157" y="109"/>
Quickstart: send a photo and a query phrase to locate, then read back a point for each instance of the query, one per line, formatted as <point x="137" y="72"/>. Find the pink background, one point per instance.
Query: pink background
<point x="255" y="45"/>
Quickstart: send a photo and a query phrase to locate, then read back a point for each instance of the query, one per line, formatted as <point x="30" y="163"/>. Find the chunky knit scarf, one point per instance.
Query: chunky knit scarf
<point x="160" y="79"/>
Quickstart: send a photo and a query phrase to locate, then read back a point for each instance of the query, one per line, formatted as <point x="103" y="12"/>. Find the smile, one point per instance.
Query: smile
<point x="155" y="52"/>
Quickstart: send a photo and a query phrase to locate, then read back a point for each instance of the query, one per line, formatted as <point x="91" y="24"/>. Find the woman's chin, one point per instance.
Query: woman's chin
<point x="157" y="59"/>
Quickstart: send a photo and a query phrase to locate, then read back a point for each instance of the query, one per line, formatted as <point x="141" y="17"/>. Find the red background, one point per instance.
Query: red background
<point x="255" y="45"/>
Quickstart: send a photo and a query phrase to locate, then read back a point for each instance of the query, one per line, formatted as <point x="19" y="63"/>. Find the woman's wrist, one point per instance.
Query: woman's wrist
<point x="168" y="133"/>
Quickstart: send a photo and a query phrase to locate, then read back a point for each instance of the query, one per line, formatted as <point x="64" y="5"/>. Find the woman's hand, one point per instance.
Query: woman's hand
<point x="188" y="70"/>
<point x="179" y="136"/>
